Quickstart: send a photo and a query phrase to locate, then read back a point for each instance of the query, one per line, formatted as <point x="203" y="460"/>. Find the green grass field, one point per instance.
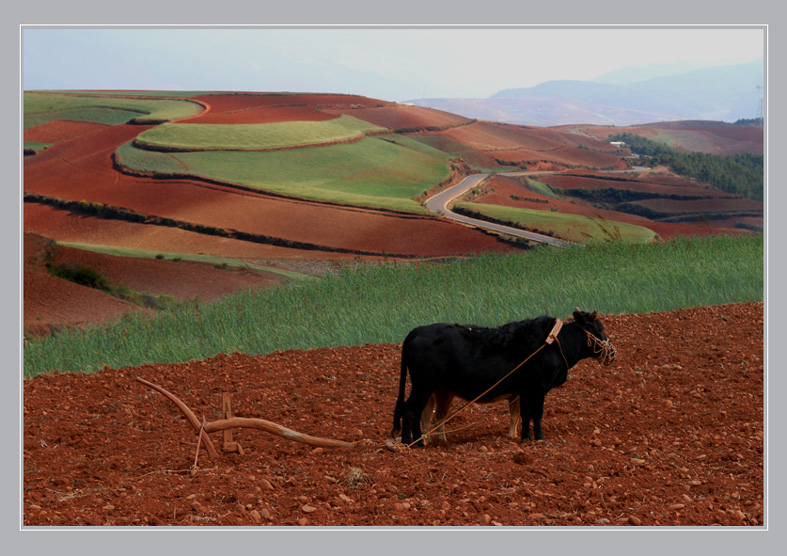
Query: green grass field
<point x="42" y="107"/>
<point x="240" y="137"/>
<point x="382" y="303"/>
<point x="137" y="94"/>
<point x="148" y="161"/>
<point x="540" y="187"/>
<point x="571" y="227"/>
<point x="166" y="255"/>
<point x="383" y="172"/>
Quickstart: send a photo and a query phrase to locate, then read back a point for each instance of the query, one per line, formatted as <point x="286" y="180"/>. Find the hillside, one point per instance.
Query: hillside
<point x="310" y="182"/>
<point x="710" y="137"/>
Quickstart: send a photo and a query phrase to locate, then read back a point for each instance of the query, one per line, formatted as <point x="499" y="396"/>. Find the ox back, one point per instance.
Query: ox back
<point x="447" y="360"/>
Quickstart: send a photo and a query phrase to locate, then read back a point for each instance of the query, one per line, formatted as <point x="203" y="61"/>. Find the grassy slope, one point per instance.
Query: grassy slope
<point x="145" y="254"/>
<point x="570" y="227"/>
<point x="254" y="136"/>
<point x="374" y="172"/>
<point x="42" y="107"/>
<point x="382" y="304"/>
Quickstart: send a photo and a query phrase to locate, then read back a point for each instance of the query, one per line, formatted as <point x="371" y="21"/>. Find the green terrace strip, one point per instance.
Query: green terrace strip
<point x="89" y="277"/>
<point x="570" y="227"/>
<point x="136" y="94"/>
<point x="386" y="171"/>
<point x="540" y="187"/>
<point x="42" y="107"/>
<point x="245" y="137"/>
<point x="32" y="147"/>
<point x="198" y="258"/>
<point x="378" y="304"/>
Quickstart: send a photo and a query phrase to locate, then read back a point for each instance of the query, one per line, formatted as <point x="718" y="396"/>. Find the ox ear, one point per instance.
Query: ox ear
<point x="582" y="316"/>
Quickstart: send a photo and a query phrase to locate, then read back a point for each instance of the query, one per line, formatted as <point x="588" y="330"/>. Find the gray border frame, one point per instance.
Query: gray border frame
<point x="395" y="540"/>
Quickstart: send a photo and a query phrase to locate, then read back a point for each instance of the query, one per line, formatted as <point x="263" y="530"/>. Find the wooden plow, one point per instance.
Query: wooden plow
<point x="229" y="422"/>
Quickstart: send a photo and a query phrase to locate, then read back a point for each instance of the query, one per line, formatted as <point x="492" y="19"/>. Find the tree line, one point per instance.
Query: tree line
<point x="741" y="174"/>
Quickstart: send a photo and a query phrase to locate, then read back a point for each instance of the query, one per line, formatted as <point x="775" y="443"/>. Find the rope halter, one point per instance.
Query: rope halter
<point x="604" y="351"/>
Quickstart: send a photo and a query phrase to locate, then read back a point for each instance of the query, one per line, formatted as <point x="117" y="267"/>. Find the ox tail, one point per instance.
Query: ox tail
<point x="399" y="409"/>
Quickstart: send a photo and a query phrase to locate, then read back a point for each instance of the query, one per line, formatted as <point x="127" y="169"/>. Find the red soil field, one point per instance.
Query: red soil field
<point x="51" y="303"/>
<point x="400" y="116"/>
<point x="58" y="130"/>
<point x="645" y="184"/>
<point x="62" y="225"/>
<point x="523" y="144"/>
<point x="267" y="108"/>
<point x="183" y="280"/>
<point x="724" y="138"/>
<point x="670" y="434"/>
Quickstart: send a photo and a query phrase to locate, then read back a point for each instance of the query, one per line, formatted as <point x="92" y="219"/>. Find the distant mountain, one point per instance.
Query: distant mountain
<point x="722" y="93"/>
<point x="643" y="72"/>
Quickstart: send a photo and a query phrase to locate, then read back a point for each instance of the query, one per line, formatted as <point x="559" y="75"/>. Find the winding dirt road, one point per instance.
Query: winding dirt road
<point x="439" y="205"/>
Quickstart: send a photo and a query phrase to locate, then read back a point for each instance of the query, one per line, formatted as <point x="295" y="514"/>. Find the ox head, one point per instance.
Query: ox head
<point x="602" y="348"/>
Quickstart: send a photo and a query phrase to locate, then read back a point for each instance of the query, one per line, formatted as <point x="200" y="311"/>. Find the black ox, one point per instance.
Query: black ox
<point x="447" y="360"/>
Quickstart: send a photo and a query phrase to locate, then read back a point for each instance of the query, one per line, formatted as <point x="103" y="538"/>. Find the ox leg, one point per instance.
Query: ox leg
<point x="525" y="414"/>
<point x="513" y="418"/>
<point x="538" y="413"/>
<point x="411" y="420"/>
<point x="443" y="401"/>
<point x="427" y="413"/>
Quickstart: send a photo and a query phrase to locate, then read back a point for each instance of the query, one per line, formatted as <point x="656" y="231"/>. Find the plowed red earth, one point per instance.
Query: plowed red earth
<point x="262" y="108"/>
<point x="670" y="434"/>
<point x="398" y="116"/>
<point x="522" y="144"/>
<point x="58" y="130"/>
<point x="63" y="225"/>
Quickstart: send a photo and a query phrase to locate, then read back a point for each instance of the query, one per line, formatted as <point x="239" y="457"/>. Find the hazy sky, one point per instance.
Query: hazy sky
<point x="387" y="63"/>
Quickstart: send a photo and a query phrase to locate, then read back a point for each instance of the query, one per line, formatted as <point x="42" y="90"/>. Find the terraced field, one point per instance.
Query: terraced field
<point x="254" y="137"/>
<point x="326" y="178"/>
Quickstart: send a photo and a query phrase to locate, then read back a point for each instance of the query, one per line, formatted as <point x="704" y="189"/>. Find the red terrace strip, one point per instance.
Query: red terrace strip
<point x="402" y="117"/>
<point x="267" y="108"/>
<point x="51" y="303"/>
<point x="58" y="130"/>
